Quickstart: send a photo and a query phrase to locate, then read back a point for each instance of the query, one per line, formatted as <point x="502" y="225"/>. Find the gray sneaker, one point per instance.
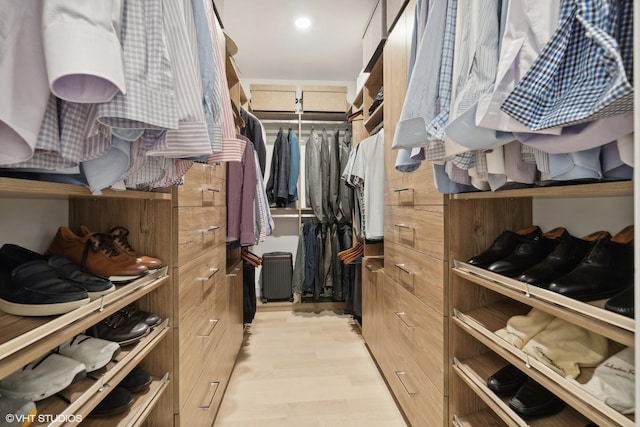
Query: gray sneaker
<point x="93" y="352"/>
<point x="43" y="377"/>
<point x="17" y="412"/>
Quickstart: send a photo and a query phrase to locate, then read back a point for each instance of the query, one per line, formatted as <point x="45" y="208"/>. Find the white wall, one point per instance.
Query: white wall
<point x="38" y="222"/>
<point x="582" y="216"/>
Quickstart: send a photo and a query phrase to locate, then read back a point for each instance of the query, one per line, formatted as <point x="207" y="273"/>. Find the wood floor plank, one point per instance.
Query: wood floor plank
<point x="306" y="369"/>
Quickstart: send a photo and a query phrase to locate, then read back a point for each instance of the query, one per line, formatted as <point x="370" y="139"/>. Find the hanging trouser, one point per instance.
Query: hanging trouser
<point x="319" y="270"/>
<point x="248" y="292"/>
<point x="297" y="280"/>
<point x="337" y="263"/>
<point x="308" y="232"/>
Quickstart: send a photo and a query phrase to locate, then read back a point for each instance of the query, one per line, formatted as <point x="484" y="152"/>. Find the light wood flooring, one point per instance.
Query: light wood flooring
<point x="306" y="369"/>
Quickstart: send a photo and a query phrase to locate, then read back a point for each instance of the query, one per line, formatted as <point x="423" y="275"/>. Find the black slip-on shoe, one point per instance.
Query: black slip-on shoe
<point x="34" y="288"/>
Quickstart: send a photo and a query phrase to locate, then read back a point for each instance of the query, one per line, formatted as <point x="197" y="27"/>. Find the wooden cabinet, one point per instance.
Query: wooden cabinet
<point x="374" y="35"/>
<point x="208" y="308"/>
<point x="481" y="302"/>
<point x="23" y="339"/>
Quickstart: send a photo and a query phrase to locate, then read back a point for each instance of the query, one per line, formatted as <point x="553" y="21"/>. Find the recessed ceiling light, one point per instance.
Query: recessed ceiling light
<point x="303" y="23"/>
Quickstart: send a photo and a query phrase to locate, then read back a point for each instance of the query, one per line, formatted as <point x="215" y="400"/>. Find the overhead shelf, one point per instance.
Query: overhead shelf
<point x="599" y="189"/>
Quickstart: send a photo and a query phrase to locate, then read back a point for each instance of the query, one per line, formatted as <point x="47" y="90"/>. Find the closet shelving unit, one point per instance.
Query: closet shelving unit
<point x="481" y="302"/>
<point x="23" y="339"/>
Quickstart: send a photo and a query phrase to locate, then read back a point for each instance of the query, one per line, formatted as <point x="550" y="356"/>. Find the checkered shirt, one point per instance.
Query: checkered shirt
<point x="435" y="150"/>
<point x="583" y="73"/>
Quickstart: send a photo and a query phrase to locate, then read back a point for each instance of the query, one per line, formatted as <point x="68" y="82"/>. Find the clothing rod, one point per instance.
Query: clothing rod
<point x="306" y="122"/>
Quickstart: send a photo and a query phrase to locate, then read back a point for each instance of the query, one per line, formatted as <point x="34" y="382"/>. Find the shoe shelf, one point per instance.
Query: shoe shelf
<point x="24" y="188"/>
<point x="26" y="338"/>
<point x="589" y="315"/>
<point x="599" y="189"/>
<point x="480" y="418"/>
<point x="482" y="322"/>
<point x="139" y="410"/>
<point x="81" y="397"/>
<point x="475" y="372"/>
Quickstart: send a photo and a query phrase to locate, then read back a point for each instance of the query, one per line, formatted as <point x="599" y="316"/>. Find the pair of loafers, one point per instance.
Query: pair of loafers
<point x="530" y="399"/>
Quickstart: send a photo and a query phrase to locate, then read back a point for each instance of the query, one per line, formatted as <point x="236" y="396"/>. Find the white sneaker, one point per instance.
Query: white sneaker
<point x="93" y="352"/>
<point x="17" y="412"/>
<point x="43" y="377"/>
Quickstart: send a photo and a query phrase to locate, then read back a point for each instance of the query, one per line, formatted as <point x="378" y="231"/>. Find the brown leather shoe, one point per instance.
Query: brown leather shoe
<point x="119" y="236"/>
<point x="97" y="254"/>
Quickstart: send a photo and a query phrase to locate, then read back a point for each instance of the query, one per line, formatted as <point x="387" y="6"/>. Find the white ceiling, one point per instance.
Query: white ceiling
<point x="271" y="47"/>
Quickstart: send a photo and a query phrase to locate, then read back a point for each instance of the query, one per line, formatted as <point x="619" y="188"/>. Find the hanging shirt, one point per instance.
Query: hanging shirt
<point x="313" y="185"/>
<point x="82" y="49"/>
<point x="241" y="190"/>
<point x="192" y="137"/>
<point x="211" y="97"/>
<point x="294" y="166"/>
<point x="581" y="74"/>
<point x="150" y="101"/>
<point x="23" y="74"/>
<point x="278" y="183"/>
<point x="368" y="173"/>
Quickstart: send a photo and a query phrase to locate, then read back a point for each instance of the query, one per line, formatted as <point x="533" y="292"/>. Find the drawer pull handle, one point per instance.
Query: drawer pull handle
<point x="213" y="190"/>
<point x="212" y="325"/>
<point x="400" y="190"/>
<point x="371" y="268"/>
<point x="400" y="315"/>
<point x="398" y="374"/>
<point x="401" y="226"/>
<point x="208" y="400"/>
<point x="213" y="273"/>
<point x="403" y="268"/>
<point x="213" y="228"/>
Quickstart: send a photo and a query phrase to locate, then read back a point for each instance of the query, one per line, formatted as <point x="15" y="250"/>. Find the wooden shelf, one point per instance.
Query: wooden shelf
<point x="27" y="338"/>
<point x="475" y="372"/>
<point x="82" y="397"/>
<point x="600" y="189"/>
<point x="375" y="118"/>
<point x="31" y="189"/>
<point x="589" y="315"/>
<point x="481" y="324"/>
<point x="276" y="115"/>
<point x="357" y="101"/>
<point x="480" y="418"/>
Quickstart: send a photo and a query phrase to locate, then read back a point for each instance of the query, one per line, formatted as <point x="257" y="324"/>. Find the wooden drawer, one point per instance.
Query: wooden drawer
<point x="204" y="185"/>
<point x="411" y="189"/>
<point x="419" y="330"/>
<point x="214" y="192"/>
<point x="195" y="279"/>
<point x="199" y="229"/>
<point x="235" y="313"/>
<point x="421" y="401"/>
<point x="202" y="403"/>
<point x="420" y="274"/>
<point x="372" y="309"/>
<point x="190" y="193"/>
<point x="419" y="227"/>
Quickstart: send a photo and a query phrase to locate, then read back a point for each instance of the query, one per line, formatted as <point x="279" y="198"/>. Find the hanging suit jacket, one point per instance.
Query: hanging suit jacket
<point x="278" y="184"/>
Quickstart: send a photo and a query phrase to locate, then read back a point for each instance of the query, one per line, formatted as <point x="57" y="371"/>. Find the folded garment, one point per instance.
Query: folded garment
<point x="520" y="329"/>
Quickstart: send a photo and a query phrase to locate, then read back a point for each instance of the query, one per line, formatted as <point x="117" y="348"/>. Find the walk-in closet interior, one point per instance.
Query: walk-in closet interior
<point x="450" y="182"/>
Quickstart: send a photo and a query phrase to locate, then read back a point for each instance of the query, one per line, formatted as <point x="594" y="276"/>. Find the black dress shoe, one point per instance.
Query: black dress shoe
<point x="529" y="252"/>
<point x="137" y="380"/>
<point x="604" y="272"/>
<point x="120" y="329"/>
<point x="118" y="400"/>
<point x="506" y="380"/>
<point x="622" y="303"/>
<point x="532" y="401"/>
<point x="564" y="258"/>
<point x="503" y="246"/>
